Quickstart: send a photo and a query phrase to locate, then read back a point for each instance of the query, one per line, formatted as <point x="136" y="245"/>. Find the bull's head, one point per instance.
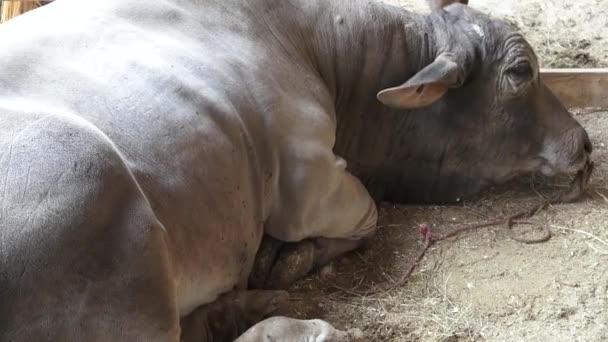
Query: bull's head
<point x="482" y="114"/>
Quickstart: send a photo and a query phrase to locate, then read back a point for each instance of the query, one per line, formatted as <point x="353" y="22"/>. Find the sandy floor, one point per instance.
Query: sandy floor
<point x="483" y="286"/>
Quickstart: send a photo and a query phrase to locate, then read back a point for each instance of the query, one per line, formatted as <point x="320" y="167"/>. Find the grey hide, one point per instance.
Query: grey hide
<point x="147" y="146"/>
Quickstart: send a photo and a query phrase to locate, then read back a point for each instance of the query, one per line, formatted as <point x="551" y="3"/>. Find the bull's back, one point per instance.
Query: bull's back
<point x="80" y="245"/>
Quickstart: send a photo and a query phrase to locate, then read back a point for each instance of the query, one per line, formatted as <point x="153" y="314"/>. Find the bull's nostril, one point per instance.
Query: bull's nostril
<point x="586" y="141"/>
<point x="588" y="146"/>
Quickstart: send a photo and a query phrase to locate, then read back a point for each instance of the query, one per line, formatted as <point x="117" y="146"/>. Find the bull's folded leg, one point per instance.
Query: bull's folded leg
<point x="264" y="261"/>
<point x="327" y="249"/>
<point x="297" y="259"/>
<point x="230" y="315"/>
<point x="323" y="212"/>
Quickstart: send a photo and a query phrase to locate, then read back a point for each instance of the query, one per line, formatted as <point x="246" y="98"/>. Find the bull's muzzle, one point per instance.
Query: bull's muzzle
<point x="567" y="153"/>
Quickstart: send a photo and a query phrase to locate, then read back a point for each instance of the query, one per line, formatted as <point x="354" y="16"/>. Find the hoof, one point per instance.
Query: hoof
<point x="295" y="261"/>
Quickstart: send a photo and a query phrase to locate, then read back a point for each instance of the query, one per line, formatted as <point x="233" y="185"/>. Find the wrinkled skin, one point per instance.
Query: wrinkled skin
<point x="147" y="147"/>
<point x="496" y="120"/>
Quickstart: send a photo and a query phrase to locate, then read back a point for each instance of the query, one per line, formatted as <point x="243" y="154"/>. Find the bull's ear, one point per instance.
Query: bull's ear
<point x="424" y="88"/>
<point x="435" y="4"/>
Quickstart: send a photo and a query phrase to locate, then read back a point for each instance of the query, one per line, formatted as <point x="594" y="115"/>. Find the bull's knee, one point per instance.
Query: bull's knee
<point x="318" y="197"/>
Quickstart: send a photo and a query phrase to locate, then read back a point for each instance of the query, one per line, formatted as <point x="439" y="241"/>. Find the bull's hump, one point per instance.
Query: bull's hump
<point x="108" y="44"/>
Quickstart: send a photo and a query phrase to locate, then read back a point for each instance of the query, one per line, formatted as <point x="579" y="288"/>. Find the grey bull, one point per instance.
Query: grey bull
<point x="147" y="146"/>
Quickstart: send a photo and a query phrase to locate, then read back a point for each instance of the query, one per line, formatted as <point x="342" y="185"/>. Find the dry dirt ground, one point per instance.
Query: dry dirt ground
<point x="483" y="286"/>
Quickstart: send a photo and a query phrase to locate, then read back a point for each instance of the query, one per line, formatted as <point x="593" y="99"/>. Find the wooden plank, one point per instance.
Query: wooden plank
<point x="579" y="88"/>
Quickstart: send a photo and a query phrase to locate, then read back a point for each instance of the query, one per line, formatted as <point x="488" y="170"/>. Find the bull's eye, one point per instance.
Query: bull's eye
<point x="522" y="71"/>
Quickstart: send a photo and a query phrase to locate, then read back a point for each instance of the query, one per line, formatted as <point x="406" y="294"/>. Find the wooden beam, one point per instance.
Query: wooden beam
<point x="579" y="88"/>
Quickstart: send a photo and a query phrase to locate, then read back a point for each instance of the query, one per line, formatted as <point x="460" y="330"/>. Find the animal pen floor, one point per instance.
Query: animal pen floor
<point x="483" y="286"/>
